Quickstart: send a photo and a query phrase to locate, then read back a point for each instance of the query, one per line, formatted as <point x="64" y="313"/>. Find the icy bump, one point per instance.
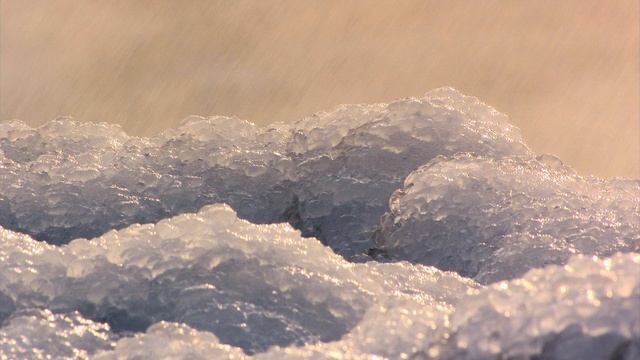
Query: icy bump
<point x="40" y="334"/>
<point x="342" y="191"/>
<point x="65" y="179"/>
<point x="329" y="175"/>
<point x="210" y="283"/>
<point x="587" y="309"/>
<point x="494" y="219"/>
<point x="253" y="286"/>
<point x="171" y="341"/>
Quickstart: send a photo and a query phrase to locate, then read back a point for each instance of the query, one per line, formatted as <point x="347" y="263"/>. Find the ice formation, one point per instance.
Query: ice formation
<point x="588" y="308"/>
<point x="254" y="286"/>
<point x="40" y="334"/>
<point x="344" y="188"/>
<point x="329" y="175"/>
<point x="494" y="219"/>
<point x="209" y="283"/>
<point x="118" y="247"/>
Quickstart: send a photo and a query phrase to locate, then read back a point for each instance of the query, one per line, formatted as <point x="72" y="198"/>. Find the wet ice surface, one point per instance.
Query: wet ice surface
<point x="494" y="219"/>
<point x="459" y="190"/>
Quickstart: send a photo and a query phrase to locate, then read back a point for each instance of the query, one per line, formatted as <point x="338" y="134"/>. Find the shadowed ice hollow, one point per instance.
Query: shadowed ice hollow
<point x="420" y="229"/>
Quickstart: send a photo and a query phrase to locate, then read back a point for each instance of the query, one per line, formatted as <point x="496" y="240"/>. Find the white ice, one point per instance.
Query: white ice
<point x="209" y="283"/>
<point x="330" y="175"/>
<point x="422" y="228"/>
<point x="494" y="219"/>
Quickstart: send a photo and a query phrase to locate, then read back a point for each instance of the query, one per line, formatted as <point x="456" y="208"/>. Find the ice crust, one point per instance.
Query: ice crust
<point x="494" y="219"/>
<point x="211" y="285"/>
<point x="330" y="175"/>
<point x="254" y="286"/>
<point x="589" y="308"/>
<point x="423" y="228"/>
<point x="40" y="334"/>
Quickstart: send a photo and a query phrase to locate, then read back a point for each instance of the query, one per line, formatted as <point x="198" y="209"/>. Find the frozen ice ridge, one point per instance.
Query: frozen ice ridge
<point x="210" y="284"/>
<point x="424" y="228"/>
<point x="330" y="175"/>
<point x="494" y="219"/>
<point x="253" y="286"/>
<point x="355" y="157"/>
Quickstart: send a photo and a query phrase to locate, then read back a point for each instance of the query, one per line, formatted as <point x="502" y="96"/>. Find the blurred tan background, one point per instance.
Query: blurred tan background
<point x="567" y="72"/>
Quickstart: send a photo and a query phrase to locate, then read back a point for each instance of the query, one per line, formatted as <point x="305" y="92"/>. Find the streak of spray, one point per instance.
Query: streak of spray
<point x="566" y="72"/>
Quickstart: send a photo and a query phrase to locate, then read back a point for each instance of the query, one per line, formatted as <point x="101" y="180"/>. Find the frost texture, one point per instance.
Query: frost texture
<point x="329" y="175"/>
<point x="40" y="334"/>
<point x="186" y="279"/>
<point x="495" y="219"/>
<point x="96" y="178"/>
<point x="344" y="188"/>
<point x="171" y="341"/>
<point x="254" y="286"/>
<point x="588" y="309"/>
<point x="199" y="281"/>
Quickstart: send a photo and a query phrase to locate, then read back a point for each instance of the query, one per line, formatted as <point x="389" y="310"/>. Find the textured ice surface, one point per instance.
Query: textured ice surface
<point x="40" y="334"/>
<point x="171" y="341"/>
<point x="196" y="281"/>
<point x="66" y="180"/>
<point x="495" y="219"/>
<point x="253" y="286"/>
<point x="587" y="309"/>
<point x="329" y="175"/>
<point x="256" y="286"/>
<point x="344" y="189"/>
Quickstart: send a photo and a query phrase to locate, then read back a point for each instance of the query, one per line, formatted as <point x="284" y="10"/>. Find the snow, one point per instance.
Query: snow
<point x="417" y="229"/>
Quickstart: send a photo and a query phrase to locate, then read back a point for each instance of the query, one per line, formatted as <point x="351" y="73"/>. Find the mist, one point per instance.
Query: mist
<point x="567" y="73"/>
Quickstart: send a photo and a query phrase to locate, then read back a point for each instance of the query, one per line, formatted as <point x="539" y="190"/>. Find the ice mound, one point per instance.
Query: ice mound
<point x="329" y="175"/>
<point x="66" y="179"/>
<point x="212" y="285"/>
<point x="138" y="263"/>
<point x="344" y="188"/>
<point x="171" y="341"/>
<point x="253" y="286"/>
<point x="494" y="219"/>
<point x="40" y="334"/>
<point x="587" y="309"/>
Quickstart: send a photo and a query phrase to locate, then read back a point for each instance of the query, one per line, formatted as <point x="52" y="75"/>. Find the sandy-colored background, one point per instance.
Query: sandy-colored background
<point x="567" y="72"/>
